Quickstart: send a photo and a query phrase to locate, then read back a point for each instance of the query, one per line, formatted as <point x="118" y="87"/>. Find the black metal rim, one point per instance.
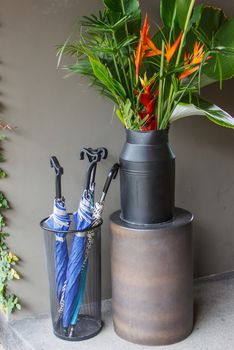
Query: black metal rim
<point x="149" y="227"/>
<point x="153" y="137"/>
<point x="68" y="231"/>
<point x="150" y="132"/>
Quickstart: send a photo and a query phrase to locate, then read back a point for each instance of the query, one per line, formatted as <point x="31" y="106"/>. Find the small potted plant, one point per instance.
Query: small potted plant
<point x="153" y="80"/>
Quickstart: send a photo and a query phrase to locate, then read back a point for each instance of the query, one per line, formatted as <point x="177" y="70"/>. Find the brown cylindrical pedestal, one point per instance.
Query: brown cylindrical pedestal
<point x="152" y="280"/>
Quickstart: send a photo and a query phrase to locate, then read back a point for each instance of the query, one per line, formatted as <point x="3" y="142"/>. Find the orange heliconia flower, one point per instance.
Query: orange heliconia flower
<point x="145" y="47"/>
<point x="192" y="62"/>
<point x="148" y="100"/>
<point x="171" y="49"/>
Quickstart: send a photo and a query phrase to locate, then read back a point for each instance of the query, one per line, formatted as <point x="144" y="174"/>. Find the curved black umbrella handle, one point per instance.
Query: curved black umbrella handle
<point x="112" y="175"/>
<point x="54" y="163"/>
<point x="90" y="174"/>
<point x="94" y="156"/>
<point x="103" y="152"/>
<point x="91" y="153"/>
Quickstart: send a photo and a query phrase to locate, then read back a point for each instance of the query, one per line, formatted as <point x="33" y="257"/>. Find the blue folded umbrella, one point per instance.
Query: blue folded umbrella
<point x="83" y="219"/>
<point x="97" y="210"/>
<point x="59" y="221"/>
<point x="84" y="268"/>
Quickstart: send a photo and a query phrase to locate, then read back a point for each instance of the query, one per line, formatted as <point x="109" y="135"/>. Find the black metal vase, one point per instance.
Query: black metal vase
<point x="147" y="178"/>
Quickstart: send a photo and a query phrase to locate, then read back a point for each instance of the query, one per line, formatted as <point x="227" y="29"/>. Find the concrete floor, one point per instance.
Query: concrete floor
<point x="213" y="328"/>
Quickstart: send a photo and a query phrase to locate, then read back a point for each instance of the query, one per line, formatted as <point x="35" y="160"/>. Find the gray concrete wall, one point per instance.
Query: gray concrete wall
<point x="56" y="115"/>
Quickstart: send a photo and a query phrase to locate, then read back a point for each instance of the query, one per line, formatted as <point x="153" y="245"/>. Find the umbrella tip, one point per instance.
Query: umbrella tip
<point x="65" y="332"/>
<point x="71" y="333"/>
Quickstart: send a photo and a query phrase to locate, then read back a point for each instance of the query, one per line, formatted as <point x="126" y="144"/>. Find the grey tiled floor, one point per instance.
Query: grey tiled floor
<point x="213" y="329"/>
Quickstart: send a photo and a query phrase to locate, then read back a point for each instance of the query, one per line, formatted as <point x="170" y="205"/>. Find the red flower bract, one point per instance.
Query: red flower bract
<point x="148" y="101"/>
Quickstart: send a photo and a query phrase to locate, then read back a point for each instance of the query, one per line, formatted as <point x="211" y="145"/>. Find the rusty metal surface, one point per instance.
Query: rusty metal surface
<point x="152" y="280"/>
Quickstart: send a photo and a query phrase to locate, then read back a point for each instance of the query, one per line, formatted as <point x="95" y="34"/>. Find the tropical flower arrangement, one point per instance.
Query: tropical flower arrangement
<point x="155" y="79"/>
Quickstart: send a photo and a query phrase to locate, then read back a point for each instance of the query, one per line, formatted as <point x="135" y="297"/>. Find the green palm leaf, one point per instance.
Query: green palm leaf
<point x="104" y="75"/>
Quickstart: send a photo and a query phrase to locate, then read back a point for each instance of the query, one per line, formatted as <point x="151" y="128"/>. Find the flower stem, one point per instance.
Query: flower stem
<point x="190" y="10"/>
<point x="161" y="84"/>
<point x="171" y="93"/>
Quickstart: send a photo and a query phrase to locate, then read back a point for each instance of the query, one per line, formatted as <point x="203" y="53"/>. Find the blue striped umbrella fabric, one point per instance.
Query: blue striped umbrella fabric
<point x="83" y="220"/>
<point x="84" y="269"/>
<point x="80" y="294"/>
<point x="60" y="221"/>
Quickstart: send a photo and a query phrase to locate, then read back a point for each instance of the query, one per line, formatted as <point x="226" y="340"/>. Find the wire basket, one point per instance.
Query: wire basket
<point x="89" y="321"/>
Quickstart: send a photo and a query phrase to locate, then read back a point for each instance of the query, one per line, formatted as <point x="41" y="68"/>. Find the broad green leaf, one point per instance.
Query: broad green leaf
<point x="167" y="8"/>
<point x="203" y="108"/>
<point x="196" y="16"/>
<point x="203" y="81"/>
<point x="182" y="7"/>
<point x="211" y="20"/>
<point x="224" y="41"/>
<point x="103" y="74"/>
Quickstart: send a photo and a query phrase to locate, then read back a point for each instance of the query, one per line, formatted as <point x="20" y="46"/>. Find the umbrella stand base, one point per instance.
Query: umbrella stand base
<point x="87" y="327"/>
<point x="89" y="321"/>
<point x="152" y="280"/>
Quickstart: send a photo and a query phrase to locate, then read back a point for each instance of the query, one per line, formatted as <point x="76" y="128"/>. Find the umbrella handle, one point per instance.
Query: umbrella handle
<point x="90" y="174"/>
<point x="112" y="175"/>
<point x="54" y="163"/>
<point x="94" y="156"/>
<point x="91" y="153"/>
<point x="102" y="154"/>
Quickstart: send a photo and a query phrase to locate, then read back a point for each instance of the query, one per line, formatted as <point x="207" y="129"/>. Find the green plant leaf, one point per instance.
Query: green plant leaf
<point x="182" y="7"/>
<point x="103" y="74"/>
<point x="198" y="106"/>
<point x="18" y="306"/>
<point x="167" y="8"/>
<point x="196" y="16"/>
<point x="3" y="201"/>
<point x="119" y="8"/>
<point x="211" y="20"/>
<point x="116" y="5"/>
<point x="120" y="116"/>
<point x="2" y="224"/>
<point x="3" y="174"/>
<point x="222" y="63"/>
<point x="203" y="81"/>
